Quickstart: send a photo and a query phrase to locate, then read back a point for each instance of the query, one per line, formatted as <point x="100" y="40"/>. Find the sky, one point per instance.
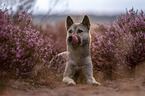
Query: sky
<point x="105" y="6"/>
<point x="98" y="7"/>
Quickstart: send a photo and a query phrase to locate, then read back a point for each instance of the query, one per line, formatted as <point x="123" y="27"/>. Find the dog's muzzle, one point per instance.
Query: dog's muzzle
<point x="73" y="39"/>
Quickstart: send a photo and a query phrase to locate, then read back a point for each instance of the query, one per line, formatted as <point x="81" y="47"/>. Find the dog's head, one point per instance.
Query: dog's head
<point x="78" y="34"/>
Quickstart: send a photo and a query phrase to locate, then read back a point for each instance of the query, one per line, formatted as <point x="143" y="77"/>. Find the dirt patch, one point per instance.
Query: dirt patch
<point x="120" y="87"/>
<point x="52" y="86"/>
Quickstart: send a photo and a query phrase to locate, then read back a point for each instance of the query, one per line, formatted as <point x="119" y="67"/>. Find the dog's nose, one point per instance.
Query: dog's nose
<point x="70" y="38"/>
<point x="73" y="39"/>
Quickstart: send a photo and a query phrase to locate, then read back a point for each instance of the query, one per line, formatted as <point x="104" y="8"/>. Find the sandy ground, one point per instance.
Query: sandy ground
<point x="122" y="87"/>
<point x="131" y="86"/>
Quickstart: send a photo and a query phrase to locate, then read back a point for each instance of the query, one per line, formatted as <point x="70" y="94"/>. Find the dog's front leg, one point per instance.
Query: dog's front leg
<point x="88" y="72"/>
<point x="68" y="74"/>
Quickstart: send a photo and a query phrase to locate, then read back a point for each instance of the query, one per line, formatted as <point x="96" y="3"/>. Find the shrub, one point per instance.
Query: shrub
<point x="21" y="48"/>
<point x="57" y="33"/>
<point x="122" y="46"/>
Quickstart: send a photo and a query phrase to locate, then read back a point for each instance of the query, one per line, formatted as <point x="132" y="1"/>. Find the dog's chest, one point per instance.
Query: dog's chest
<point x="78" y="59"/>
<point x="79" y="55"/>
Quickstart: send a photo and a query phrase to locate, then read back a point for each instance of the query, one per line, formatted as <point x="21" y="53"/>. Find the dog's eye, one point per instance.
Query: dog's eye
<point x="80" y="31"/>
<point x="70" y="31"/>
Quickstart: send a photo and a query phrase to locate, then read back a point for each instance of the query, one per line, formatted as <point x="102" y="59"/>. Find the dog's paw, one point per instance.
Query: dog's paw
<point x="69" y="81"/>
<point x="96" y="83"/>
<point x="93" y="82"/>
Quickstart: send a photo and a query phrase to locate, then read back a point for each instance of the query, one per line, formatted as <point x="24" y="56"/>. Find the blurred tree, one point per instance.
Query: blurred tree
<point x="23" y="6"/>
<point x="6" y="3"/>
<point x="55" y="7"/>
<point x="17" y="6"/>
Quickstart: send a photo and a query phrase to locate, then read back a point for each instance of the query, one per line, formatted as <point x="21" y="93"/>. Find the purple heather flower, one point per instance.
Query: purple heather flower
<point x="123" y="39"/>
<point x="24" y="46"/>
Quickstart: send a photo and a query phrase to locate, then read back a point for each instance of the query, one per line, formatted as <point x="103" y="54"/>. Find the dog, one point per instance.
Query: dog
<point x="78" y="55"/>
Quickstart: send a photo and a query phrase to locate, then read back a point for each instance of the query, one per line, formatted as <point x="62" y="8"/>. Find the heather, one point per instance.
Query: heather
<point x="21" y="47"/>
<point x="57" y="33"/>
<point x="119" y="47"/>
<point x="27" y="49"/>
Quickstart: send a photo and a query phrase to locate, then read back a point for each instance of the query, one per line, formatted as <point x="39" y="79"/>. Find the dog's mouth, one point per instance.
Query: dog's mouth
<point x="74" y="40"/>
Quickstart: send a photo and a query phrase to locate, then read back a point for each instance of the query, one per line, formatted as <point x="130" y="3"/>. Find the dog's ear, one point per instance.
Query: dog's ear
<point x="86" y="22"/>
<point x="69" y="22"/>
